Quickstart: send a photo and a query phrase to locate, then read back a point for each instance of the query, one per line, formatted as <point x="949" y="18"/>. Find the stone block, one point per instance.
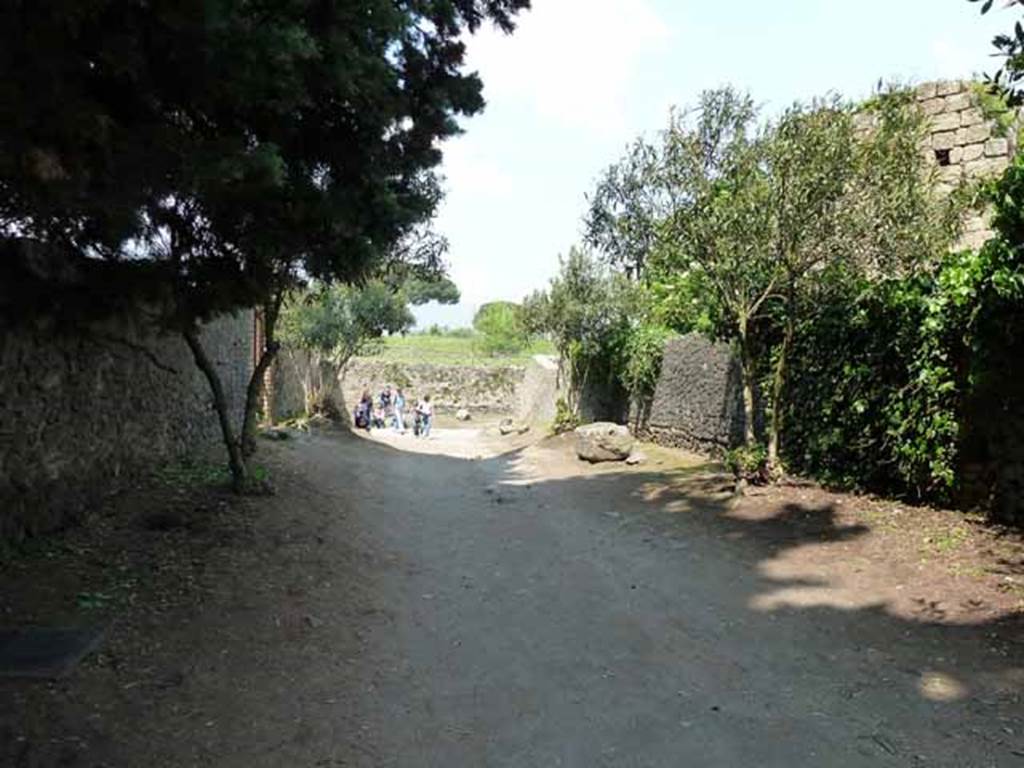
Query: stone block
<point x="986" y="168"/>
<point x="997" y="148"/>
<point x="972" y="152"/>
<point x="946" y="140"/>
<point x="946" y="122"/>
<point x="933" y="106"/>
<point x="976" y="134"/>
<point x="951" y="174"/>
<point x="926" y="91"/>
<point x="956" y="155"/>
<point x="972" y="116"/>
<point x="949" y="87"/>
<point x="958" y="102"/>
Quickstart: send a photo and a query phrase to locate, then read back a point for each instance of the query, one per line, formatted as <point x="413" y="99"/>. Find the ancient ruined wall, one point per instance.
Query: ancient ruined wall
<point x="81" y="411"/>
<point x="537" y="395"/>
<point x="965" y="143"/>
<point x="698" y="401"/>
<point x="477" y="389"/>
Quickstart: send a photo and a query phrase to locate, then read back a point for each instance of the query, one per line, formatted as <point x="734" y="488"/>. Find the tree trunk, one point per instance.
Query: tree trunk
<point x="269" y="390"/>
<point x="236" y="462"/>
<point x="747" y="376"/>
<point x="778" y="386"/>
<point x="257" y="380"/>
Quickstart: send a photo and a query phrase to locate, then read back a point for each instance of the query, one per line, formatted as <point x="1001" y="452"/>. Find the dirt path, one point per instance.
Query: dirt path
<point x="472" y="602"/>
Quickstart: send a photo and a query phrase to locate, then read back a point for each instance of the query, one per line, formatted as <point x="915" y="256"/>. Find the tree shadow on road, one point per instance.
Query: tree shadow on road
<point x="811" y="560"/>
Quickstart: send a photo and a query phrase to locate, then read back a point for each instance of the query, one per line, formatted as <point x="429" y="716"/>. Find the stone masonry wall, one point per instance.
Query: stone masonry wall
<point x="965" y="144"/>
<point x="81" y="412"/>
<point x="698" y="400"/>
<point x="477" y="389"/>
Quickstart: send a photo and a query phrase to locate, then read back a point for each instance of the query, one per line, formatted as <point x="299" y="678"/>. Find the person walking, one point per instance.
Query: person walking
<point x="399" y="406"/>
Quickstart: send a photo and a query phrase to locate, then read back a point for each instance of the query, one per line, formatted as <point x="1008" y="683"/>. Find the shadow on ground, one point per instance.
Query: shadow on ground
<point x="384" y="594"/>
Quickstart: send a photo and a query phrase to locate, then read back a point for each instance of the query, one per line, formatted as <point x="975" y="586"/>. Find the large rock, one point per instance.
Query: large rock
<point x="603" y="441"/>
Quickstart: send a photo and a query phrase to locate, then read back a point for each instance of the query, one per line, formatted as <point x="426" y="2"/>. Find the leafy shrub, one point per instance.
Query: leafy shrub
<point x="893" y="376"/>
<point x="640" y="358"/>
<point x="749" y="463"/>
<point x="565" y="419"/>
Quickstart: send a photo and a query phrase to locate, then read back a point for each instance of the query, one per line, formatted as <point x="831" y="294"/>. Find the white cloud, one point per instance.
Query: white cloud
<point x="571" y="60"/>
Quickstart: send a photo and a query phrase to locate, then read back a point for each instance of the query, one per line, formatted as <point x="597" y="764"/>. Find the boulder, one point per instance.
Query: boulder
<point x="603" y="441"/>
<point x="463" y="415"/>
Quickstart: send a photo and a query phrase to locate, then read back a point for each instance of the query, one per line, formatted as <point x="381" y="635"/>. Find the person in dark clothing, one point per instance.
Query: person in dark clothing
<point x="363" y="414"/>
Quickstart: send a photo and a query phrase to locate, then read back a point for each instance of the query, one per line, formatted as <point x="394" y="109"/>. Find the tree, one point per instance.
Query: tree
<point x="332" y="324"/>
<point x="625" y="208"/>
<point x="767" y="219"/>
<point x="848" y="202"/>
<point x="500" y="324"/>
<point x="720" y="227"/>
<point x="1008" y="79"/>
<point x="420" y="291"/>
<point x="810" y="164"/>
<point x="224" y="147"/>
<point x="585" y="312"/>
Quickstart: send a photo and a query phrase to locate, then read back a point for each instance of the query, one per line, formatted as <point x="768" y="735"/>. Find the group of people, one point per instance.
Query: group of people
<point x="390" y="411"/>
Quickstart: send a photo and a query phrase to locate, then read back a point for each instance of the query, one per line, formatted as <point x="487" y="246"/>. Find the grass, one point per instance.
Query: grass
<point x="947" y="541"/>
<point x="451" y="350"/>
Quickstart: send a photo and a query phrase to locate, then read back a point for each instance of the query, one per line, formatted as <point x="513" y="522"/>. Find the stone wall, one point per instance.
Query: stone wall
<point x="82" y="411"/>
<point x="698" y="400"/>
<point x="538" y="394"/>
<point x="965" y="144"/>
<point x="451" y="387"/>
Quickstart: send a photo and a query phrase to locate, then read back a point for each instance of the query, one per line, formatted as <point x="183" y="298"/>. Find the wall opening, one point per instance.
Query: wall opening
<point x="943" y="158"/>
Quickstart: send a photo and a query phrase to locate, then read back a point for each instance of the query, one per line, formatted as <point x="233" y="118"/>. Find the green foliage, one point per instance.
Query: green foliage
<point x="420" y="291"/>
<point x="893" y="377"/>
<point x="337" y="322"/>
<point x="224" y="139"/>
<point x="1010" y="47"/>
<point x="461" y="347"/>
<point x="625" y="208"/>
<point x="749" y="463"/>
<point x="501" y="328"/>
<point x="587" y="311"/>
<point x="566" y="419"/>
<point x="743" y="229"/>
<point x="995" y="106"/>
<point x="444" y="331"/>
<point x="217" y="150"/>
<point x="640" y="355"/>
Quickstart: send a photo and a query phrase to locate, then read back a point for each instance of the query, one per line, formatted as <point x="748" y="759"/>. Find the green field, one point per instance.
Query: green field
<point x="450" y="350"/>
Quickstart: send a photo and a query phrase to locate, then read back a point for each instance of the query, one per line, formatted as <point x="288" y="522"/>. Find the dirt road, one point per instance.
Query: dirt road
<point x="464" y="602"/>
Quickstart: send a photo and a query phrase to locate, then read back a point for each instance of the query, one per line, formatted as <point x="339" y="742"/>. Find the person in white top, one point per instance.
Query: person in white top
<point x="425" y="412"/>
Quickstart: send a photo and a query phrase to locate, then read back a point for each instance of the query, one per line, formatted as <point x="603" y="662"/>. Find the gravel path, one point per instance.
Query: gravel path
<point x="473" y="601"/>
<point x="547" y="615"/>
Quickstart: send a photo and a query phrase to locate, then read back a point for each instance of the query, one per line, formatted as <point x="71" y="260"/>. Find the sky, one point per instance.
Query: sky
<point x="580" y="79"/>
